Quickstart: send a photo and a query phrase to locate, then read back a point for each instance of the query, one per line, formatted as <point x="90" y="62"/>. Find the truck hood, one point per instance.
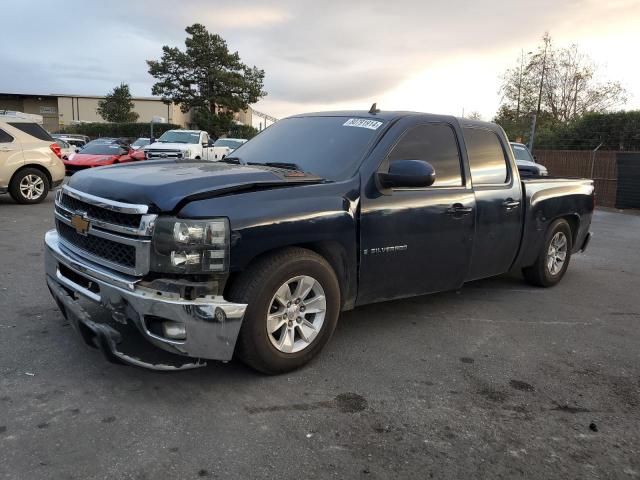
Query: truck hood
<point x="165" y="184"/>
<point x="169" y="146"/>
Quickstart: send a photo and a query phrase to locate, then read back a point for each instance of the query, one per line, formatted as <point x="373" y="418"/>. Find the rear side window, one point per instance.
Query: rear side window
<point x="32" y="129"/>
<point x="486" y="157"/>
<point x="5" y="137"/>
<point x="434" y="143"/>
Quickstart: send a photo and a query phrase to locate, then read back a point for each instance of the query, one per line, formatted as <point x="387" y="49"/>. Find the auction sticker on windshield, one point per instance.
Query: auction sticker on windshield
<point x="362" y="123"/>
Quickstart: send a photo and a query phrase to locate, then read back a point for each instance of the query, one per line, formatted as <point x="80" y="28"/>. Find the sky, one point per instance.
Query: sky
<point x="421" y="55"/>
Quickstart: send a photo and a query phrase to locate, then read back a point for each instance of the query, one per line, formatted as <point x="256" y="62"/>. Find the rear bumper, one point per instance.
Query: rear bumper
<point x="118" y="315"/>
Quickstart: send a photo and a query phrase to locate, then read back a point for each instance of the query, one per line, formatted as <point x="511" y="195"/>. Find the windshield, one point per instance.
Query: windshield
<point x="521" y="152"/>
<point x="104" y="149"/>
<point x="141" y="142"/>
<point x="225" y="142"/>
<point x="330" y="147"/>
<point x="176" y="136"/>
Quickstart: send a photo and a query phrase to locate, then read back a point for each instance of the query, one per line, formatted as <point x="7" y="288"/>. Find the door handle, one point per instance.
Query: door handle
<point x="510" y="204"/>
<point x="458" y="210"/>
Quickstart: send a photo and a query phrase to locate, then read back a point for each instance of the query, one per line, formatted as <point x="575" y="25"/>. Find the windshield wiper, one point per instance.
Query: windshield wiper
<point x="234" y="160"/>
<point x="285" y="165"/>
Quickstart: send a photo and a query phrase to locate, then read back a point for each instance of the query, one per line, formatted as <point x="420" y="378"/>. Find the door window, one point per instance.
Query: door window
<point x="486" y="157"/>
<point x="434" y="143"/>
<point x="5" y="137"/>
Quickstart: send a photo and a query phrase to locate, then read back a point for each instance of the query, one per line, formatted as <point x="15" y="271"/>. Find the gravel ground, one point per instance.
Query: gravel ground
<point x="498" y="380"/>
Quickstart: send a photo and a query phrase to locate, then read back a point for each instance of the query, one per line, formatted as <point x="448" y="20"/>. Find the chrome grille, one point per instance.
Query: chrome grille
<point x="163" y="153"/>
<point x="117" y="235"/>
<point x="98" y="213"/>
<point x="111" y="251"/>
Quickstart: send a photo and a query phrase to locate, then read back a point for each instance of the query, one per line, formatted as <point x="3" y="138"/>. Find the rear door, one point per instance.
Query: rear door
<point x="418" y="240"/>
<point x="11" y="157"/>
<point x="499" y="207"/>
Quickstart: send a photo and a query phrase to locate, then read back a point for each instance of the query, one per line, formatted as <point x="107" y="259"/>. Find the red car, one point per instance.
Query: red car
<point x="99" y="155"/>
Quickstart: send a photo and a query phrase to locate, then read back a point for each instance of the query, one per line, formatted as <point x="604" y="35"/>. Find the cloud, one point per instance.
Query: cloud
<point x="314" y="53"/>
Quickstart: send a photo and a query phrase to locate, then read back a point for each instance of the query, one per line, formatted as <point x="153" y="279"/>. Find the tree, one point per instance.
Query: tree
<point x="474" y="116"/>
<point x="560" y="85"/>
<point x="117" y="106"/>
<point x="207" y="79"/>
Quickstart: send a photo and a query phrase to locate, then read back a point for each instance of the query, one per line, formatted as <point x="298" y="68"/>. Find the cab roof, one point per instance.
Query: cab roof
<point x="389" y="115"/>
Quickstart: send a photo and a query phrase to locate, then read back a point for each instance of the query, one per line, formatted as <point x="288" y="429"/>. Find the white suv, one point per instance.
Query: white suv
<point x="30" y="163"/>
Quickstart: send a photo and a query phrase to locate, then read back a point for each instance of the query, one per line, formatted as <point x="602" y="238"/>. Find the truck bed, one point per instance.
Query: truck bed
<point x="552" y="197"/>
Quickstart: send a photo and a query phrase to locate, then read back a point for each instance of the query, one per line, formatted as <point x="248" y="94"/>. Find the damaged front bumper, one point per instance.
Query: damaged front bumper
<point x="113" y="312"/>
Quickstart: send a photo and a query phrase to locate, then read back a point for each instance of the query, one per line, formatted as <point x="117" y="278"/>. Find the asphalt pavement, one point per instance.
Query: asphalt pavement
<point x="497" y="380"/>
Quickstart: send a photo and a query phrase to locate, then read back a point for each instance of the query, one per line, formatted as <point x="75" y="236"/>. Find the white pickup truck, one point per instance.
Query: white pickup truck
<point x="224" y="146"/>
<point x="193" y="144"/>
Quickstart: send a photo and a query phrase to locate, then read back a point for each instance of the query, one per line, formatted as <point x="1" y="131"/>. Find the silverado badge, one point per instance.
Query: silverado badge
<point x="80" y="223"/>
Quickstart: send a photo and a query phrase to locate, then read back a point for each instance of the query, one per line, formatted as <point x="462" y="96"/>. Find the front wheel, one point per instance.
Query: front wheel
<point x="293" y="302"/>
<point x="29" y="186"/>
<point x="553" y="260"/>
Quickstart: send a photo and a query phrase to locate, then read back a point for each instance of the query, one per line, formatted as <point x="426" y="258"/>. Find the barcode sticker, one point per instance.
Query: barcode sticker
<point x="362" y="123"/>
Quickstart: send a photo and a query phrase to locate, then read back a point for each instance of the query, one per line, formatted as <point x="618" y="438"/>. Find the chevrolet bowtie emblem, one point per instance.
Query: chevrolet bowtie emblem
<point x="80" y="223"/>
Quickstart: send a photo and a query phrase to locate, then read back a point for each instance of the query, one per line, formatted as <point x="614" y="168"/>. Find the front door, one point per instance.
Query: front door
<point x="418" y="240"/>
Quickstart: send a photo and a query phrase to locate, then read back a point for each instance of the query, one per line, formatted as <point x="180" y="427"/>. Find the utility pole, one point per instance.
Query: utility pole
<point x="575" y="97"/>
<point x="520" y="83"/>
<point x="547" y="40"/>
<point x="544" y="66"/>
<point x="533" y="132"/>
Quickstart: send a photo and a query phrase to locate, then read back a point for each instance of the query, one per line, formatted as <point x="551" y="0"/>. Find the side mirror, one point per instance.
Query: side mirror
<point x="408" y="174"/>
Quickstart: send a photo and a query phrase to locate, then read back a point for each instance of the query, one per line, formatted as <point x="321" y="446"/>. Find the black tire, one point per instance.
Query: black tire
<point x="539" y="274"/>
<point x="257" y="287"/>
<point x="15" y="186"/>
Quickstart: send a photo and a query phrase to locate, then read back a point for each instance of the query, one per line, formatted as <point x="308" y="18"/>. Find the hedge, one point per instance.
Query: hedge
<point x="127" y="130"/>
<point x="136" y="130"/>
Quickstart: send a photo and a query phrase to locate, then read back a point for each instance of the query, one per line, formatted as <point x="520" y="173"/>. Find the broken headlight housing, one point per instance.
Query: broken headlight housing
<point x="190" y="246"/>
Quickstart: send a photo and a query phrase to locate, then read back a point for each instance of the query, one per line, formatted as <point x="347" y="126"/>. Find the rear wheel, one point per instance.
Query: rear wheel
<point x="293" y="302"/>
<point x="553" y="260"/>
<point x="29" y="186"/>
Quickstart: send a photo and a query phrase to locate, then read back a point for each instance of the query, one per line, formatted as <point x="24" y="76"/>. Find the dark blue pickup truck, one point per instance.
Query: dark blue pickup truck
<point x="164" y="264"/>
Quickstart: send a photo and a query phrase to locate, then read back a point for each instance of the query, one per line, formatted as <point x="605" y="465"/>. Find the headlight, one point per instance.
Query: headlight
<point x="186" y="154"/>
<point x="190" y="246"/>
<point x="542" y="171"/>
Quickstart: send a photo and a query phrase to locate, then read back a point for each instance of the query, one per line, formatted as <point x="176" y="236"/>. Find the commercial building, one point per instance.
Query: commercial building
<point x="59" y="110"/>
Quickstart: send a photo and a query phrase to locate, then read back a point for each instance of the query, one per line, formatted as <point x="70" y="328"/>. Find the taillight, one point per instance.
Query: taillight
<point x="55" y="148"/>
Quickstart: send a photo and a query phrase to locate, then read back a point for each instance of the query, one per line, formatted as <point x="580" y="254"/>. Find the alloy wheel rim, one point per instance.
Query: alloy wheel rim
<point x="31" y="187"/>
<point x="557" y="253"/>
<point x="296" y="314"/>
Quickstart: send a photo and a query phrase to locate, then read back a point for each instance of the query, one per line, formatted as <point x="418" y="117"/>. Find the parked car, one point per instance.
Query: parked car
<point x="181" y="144"/>
<point x="76" y="136"/>
<point x="527" y="165"/>
<point x="99" y="154"/>
<point x="75" y="140"/>
<point x="140" y="143"/>
<point x="257" y="254"/>
<point x="224" y="146"/>
<point x="66" y="149"/>
<point x="30" y="163"/>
